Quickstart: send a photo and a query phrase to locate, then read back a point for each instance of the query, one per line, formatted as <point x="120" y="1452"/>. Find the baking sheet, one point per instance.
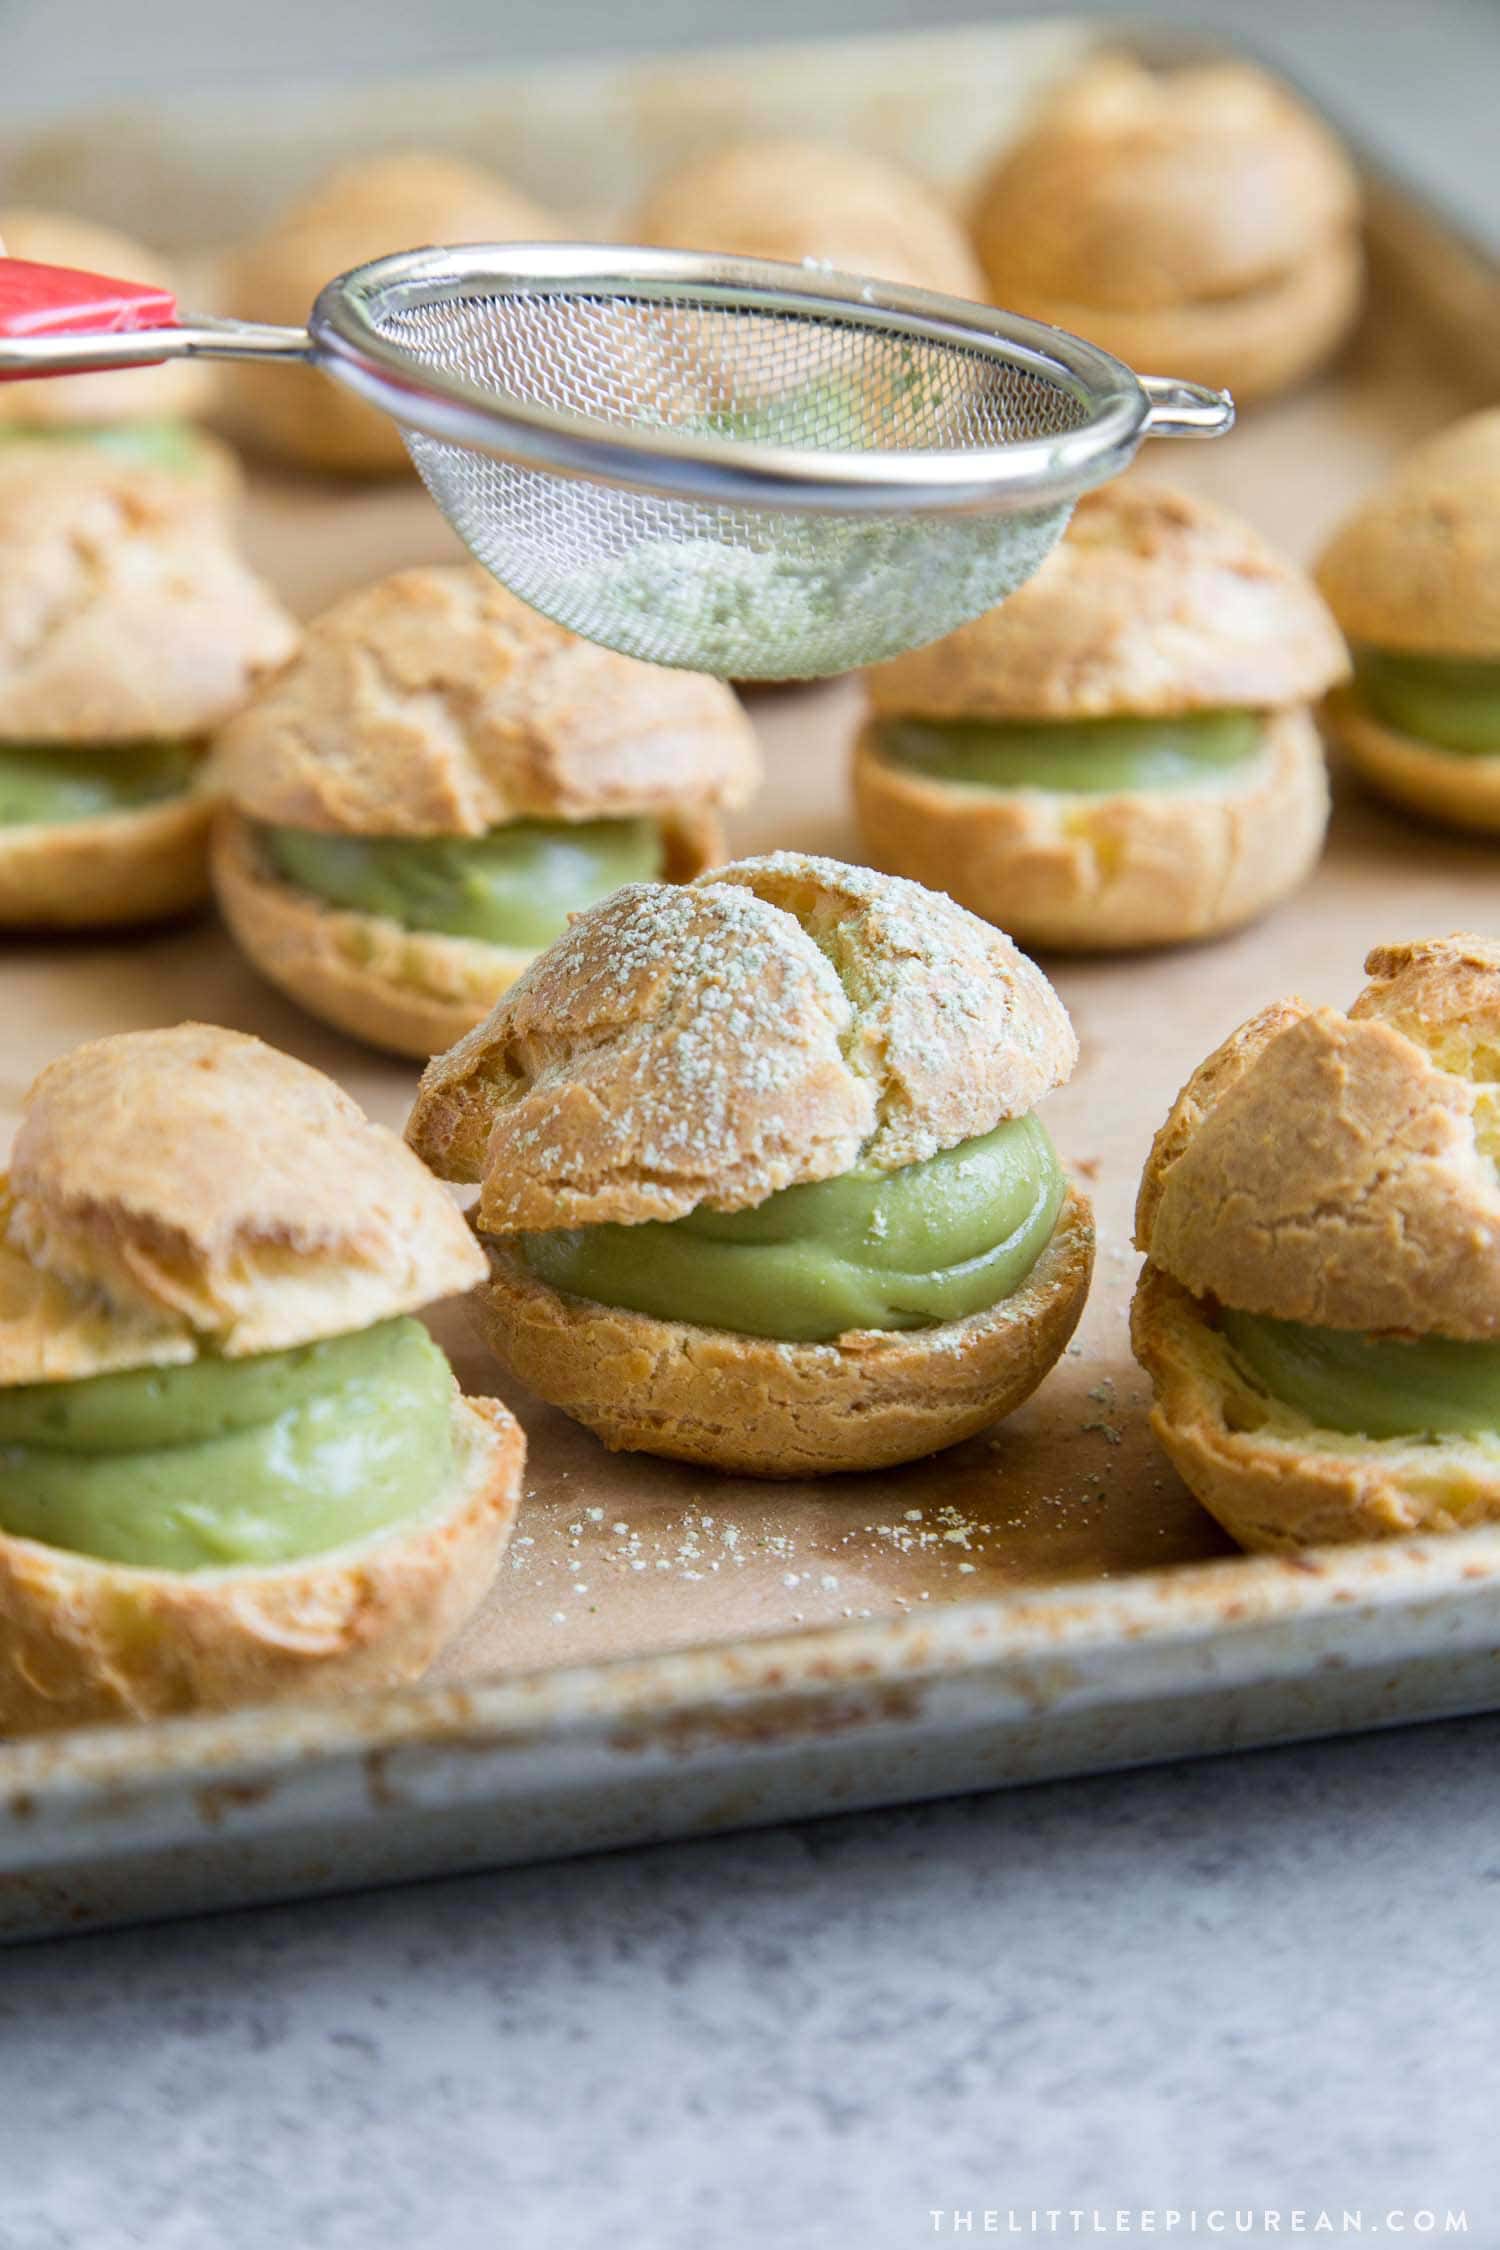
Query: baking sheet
<point x="817" y="1608"/>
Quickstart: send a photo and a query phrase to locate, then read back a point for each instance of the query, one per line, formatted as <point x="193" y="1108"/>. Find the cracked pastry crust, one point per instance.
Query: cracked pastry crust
<point x="120" y="869"/>
<point x="1340" y="1171"/>
<point x="177" y="387"/>
<point x="186" y="1189"/>
<point x="1090" y="873"/>
<point x="128" y="617"/>
<point x="757" y="1407"/>
<point x="776" y="1021"/>
<point x="435" y="703"/>
<point x="213" y="1193"/>
<point x="353" y="215"/>
<point x="1200" y="214"/>
<point x="1154" y="604"/>
<point x="411" y="992"/>
<point x="86" y="1643"/>
<point x="779" y="1020"/>
<point x="795" y="200"/>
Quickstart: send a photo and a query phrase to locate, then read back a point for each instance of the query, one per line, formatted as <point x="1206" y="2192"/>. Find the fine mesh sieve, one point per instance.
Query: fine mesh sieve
<point x="756" y="470"/>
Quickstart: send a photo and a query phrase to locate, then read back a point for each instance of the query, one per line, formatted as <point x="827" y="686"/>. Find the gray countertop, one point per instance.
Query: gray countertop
<point x="1257" y="1982"/>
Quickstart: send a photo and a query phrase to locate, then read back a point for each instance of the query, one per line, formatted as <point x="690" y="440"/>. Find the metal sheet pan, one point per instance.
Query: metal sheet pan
<point x="667" y="1652"/>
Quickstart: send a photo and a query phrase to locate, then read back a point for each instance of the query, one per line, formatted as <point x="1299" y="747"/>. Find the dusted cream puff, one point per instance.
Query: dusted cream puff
<point x="129" y="631"/>
<point x="812" y="200"/>
<point x="1123" y="754"/>
<point x="417" y="805"/>
<point x="1319" y="1311"/>
<point x="1414" y="580"/>
<point x="138" y="415"/>
<point x="1197" y="220"/>
<point x="388" y="203"/>
<point x="761" y="1181"/>
<point x="233" y="1468"/>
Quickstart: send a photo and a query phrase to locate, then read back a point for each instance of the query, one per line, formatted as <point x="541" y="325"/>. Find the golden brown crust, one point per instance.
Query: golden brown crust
<point x="1417" y="568"/>
<point x="1094" y="873"/>
<point x="1252" y="345"/>
<point x="798" y="200"/>
<point x="1339" y="1170"/>
<point x="1272" y="1478"/>
<point x="1457" y="787"/>
<point x="122" y="868"/>
<point x="85" y="1643"/>
<point x="127" y="617"/>
<point x="412" y="992"/>
<point x="134" y="394"/>
<point x="867" y="1400"/>
<point x="435" y="703"/>
<point x="779" y="1020"/>
<point x="1141" y="189"/>
<point x="207" y="1187"/>
<point x="1154" y="602"/>
<point x="390" y="202"/>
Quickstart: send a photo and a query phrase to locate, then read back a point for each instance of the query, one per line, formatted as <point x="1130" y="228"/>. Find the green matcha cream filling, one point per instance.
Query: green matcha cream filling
<point x="932" y="1242"/>
<point x="1100" y="757"/>
<point x="42" y="786"/>
<point x="223" y="1463"/>
<point x="514" y="887"/>
<point x="1372" y="1386"/>
<point x="1451" y="702"/>
<point x="140" y="445"/>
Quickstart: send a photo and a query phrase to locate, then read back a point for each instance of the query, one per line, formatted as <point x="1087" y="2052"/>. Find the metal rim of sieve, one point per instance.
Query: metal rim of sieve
<point x="1121" y="408"/>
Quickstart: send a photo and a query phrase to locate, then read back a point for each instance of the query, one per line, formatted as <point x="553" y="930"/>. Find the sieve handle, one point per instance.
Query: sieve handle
<point x="1186" y="409"/>
<point x="55" y="320"/>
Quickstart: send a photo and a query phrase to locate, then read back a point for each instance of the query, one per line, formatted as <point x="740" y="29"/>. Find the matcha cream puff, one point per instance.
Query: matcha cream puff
<point x="1123" y="754"/>
<point x="400" y="201"/>
<point x="129" y="631"/>
<point x="1414" y="580"/>
<point x="233" y="1467"/>
<point x="816" y="201"/>
<point x="416" y="805"/>
<point x="1319" y="1312"/>
<point x="761" y="1181"/>
<point x="1198" y="220"/>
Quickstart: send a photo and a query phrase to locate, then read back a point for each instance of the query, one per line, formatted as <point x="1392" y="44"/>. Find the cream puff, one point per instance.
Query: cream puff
<point x="1414" y="580"/>
<point x="233" y="1467"/>
<point x="1197" y="221"/>
<point x="129" y="631"/>
<point x="141" y="416"/>
<point x="1319" y="1312"/>
<point x="388" y="203"/>
<point x="414" y="808"/>
<point x="761" y="1182"/>
<point x="1123" y="754"/>
<point x="812" y="202"/>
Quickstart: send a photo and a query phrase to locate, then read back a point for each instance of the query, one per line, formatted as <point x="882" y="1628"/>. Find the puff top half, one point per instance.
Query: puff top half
<point x="794" y="199"/>
<point x="1144" y="189"/>
<point x="776" y="1021"/>
<point x="1153" y="602"/>
<point x="128" y="616"/>
<point x="192" y="1190"/>
<point x="1343" y="1170"/>
<point x="434" y="703"/>
<point x="1418" y="566"/>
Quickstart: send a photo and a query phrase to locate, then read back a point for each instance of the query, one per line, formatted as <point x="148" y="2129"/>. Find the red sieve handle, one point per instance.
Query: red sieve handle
<point x="38" y="301"/>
